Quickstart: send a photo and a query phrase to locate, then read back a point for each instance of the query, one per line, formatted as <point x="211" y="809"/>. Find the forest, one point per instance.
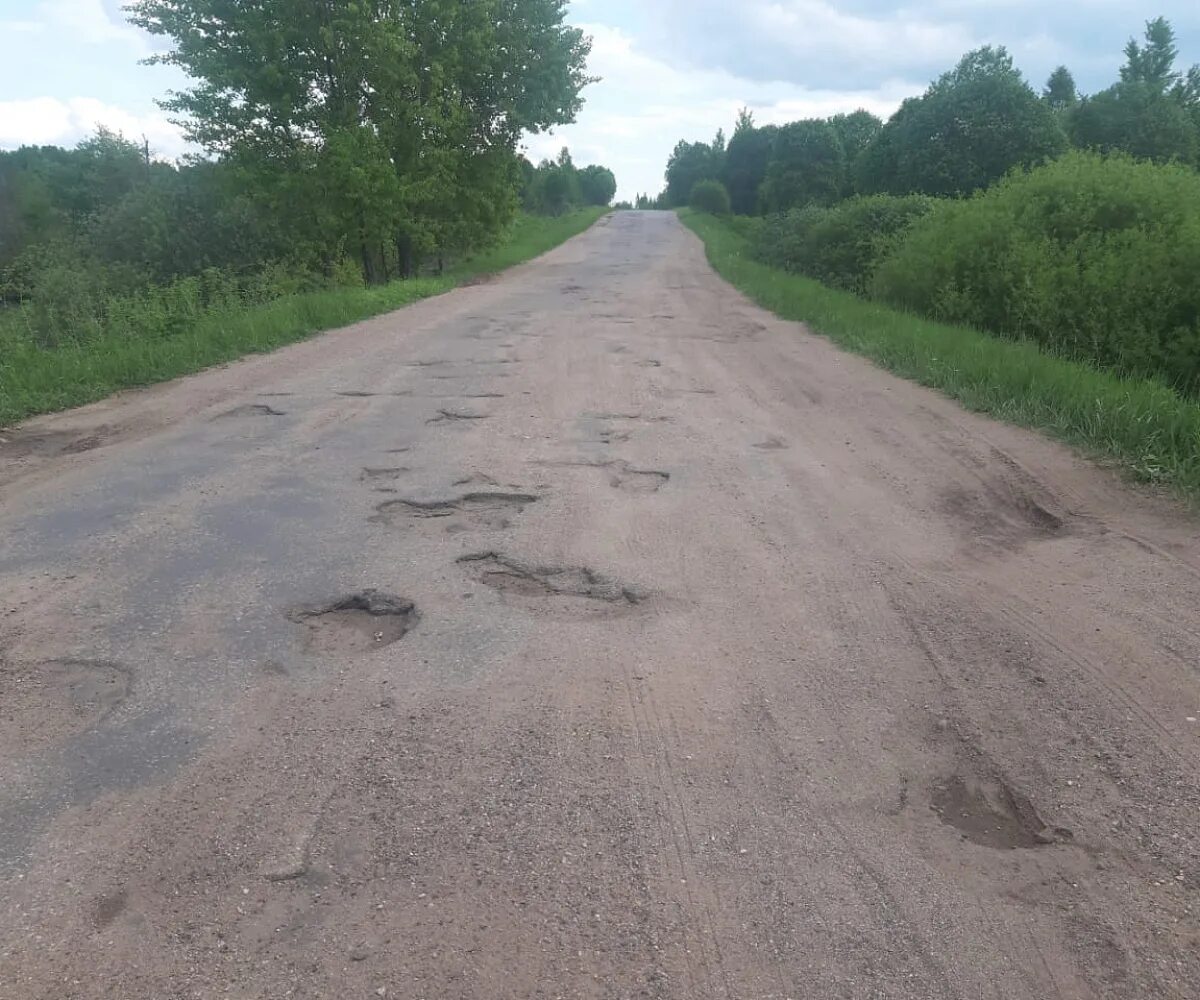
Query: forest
<point x="338" y="146"/>
<point x="1068" y="220"/>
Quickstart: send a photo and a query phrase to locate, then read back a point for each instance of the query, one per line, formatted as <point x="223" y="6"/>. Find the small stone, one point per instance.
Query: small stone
<point x="359" y="952"/>
<point x="381" y="992"/>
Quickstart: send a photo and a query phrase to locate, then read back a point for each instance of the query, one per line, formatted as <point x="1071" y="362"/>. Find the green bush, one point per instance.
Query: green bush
<point x="842" y="245"/>
<point x="76" y="301"/>
<point x="711" y="197"/>
<point x="100" y="342"/>
<point x="1095" y="258"/>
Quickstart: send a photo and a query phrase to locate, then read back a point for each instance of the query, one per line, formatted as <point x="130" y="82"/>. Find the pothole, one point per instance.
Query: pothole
<point x="1001" y="514"/>
<point x="990" y="813"/>
<point x="92" y="687"/>
<point x="483" y="507"/>
<point x="108" y="907"/>
<point x="476" y="479"/>
<point x="46" y="444"/>
<point x="455" y="416"/>
<point x="251" y="410"/>
<point x="511" y="576"/>
<point x="357" y="622"/>
<point x="372" y="475"/>
<point x="637" y="417"/>
<point x="95" y="688"/>
<point x="48" y="701"/>
<point x="623" y="476"/>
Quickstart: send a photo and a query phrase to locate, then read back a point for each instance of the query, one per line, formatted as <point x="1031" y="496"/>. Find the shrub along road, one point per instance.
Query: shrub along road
<point x="588" y="632"/>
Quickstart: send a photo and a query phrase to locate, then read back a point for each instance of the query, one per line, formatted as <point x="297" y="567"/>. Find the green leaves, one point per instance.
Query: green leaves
<point x="971" y="127"/>
<point x="808" y="165"/>
<point x="1093" y="257"/>
<point x="690" y="163"/>
<point x="331" y="96"/>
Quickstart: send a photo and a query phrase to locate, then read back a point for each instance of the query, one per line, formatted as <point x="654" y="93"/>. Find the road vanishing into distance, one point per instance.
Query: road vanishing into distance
<point x="588" y="632"/>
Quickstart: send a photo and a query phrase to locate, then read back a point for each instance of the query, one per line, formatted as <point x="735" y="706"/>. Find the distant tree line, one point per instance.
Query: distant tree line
<point x="972" y="126"/>
<point x="1069" y="220"/>
<point x="557" y="186"/>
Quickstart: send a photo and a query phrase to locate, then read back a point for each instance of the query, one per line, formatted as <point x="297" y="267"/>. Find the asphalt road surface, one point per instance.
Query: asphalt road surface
<point x="588" y="633"/>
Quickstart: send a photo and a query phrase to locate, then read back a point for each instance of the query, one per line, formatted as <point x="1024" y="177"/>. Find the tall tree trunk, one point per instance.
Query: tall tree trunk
<point x="405" y="258"/>
<point x="370" y="263"/>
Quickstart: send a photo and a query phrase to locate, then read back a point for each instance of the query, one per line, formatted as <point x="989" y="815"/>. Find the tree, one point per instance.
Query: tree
<point x="557" y="189"/>
<point x="555" y="186"/>
<point x="709" y="196"/>
<point x="446" y="88"/>
<point x="1152" y="112"/>
<point x="746" y="161"/>
<point x="597" y="184"/>
<point x="807" y="166"/>
<point x="690" y="163"/>
<point x="971" y="127"/>
<point x="1135" y="118"/>
<point x="1153" y="63"/>
<point x="1060" y="93"/>
<point x="856" y="130"/>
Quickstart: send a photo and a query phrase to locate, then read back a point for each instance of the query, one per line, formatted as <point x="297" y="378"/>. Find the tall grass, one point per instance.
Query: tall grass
<point x="1142" y="426"/>
<point x="118" y="355"/>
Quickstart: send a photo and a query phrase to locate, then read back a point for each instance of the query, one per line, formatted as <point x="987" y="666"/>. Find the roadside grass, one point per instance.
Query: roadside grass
<point x="37" y="380"/>
<point x="531" y="236"/>
<point x="1141" y="426"/>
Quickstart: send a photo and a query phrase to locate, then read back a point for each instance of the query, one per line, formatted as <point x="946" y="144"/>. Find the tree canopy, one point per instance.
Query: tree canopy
<point x="1152" y="112"/>
<point x="400" y="121"/>
<point x="690" y="163"/>
<point x="746" y="160"/>
<point x="972" y="126"/>
<point x="1060" y="92"/>
<point x="808" y="165"/>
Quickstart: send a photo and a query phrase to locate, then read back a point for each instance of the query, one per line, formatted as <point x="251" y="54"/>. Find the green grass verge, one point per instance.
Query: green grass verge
<point x="1143" y="427"/>
<point x="35" y="380"/>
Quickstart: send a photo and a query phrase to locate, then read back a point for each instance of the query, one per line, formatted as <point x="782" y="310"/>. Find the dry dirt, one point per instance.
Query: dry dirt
<point x="588" y="633"/>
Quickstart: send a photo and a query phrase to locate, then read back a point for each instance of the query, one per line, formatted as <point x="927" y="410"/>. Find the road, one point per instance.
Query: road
<point x="588" y="632"/>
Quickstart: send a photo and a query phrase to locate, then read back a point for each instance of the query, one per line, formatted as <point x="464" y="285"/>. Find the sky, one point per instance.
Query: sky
<point x="670" y="69"/>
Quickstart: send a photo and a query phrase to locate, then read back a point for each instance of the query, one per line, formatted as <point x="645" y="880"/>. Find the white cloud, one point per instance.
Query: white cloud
<point x="644" y="105"/>
<point x="805" y="41"/>
<point x="90" y="21"/>
<point x="50" y="120"/>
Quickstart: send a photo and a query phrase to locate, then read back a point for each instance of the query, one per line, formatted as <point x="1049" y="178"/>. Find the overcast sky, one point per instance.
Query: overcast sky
<point x="671" y="69"/>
